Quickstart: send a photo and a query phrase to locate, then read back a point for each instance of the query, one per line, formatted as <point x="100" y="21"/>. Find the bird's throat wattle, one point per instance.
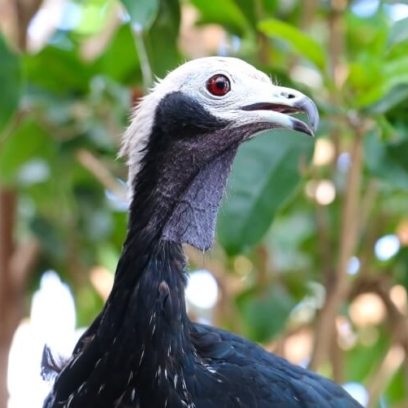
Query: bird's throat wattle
<point x="193" y="217"/>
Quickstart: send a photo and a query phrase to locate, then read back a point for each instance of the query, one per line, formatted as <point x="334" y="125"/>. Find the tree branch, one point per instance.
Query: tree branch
<point x="22" y="261"/>
<point x="337" y="284"/>
<point x="97" y="168"/>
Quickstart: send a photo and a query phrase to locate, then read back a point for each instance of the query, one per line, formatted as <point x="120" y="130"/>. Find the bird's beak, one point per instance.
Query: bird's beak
<point x="284" y="102"/>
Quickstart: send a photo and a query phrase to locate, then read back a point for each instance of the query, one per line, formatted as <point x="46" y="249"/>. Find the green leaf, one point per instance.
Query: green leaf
<point x="264" y="175"/>
<point x="270" y="6"/>
<point x="387" y="161"/>
<point x="120" y="60"/>
<point x="161" y="40"/>
<point x="364" y="75"/>
<point x="365" y="37"/>
<point x="399" y="153"/>
<point x="93" y="16"/>
<point x="58" y="70"/>
<point x="142" y="13"/>
<point x="225" y="13"/>
<point x="398" y="32"/>
<point x="302" y="43"/>
<point x="393" y="74"/>
<point x="248" y="9"/>
<point x="396" y="391"/>
<point x="49" y="236"/>
<point x="265" y="313"/>
<point x="391" y="100"/>
<point x="29" y="142"/>
<point x="362" y="360"/>
<point x="396" y="67"/>
<point x="10" y="80"/>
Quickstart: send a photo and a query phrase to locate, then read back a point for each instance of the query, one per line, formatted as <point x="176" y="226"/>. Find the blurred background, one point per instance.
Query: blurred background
<point x="311" y="258"/>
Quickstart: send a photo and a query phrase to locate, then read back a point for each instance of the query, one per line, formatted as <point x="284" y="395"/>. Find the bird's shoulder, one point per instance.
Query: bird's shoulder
<point x="256" y="378"/>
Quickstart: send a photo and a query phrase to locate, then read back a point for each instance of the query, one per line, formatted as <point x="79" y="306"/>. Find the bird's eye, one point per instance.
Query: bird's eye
<point x="218" y="85"/>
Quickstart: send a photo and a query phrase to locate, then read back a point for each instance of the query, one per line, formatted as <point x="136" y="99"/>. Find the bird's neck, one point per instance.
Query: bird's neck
<point x="182" y="200"/>
<point x="149" y="291"/>
<point x="144" y="325"/>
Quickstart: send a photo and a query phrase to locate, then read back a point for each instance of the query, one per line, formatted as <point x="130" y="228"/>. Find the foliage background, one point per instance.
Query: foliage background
<point x="297" y="260"/>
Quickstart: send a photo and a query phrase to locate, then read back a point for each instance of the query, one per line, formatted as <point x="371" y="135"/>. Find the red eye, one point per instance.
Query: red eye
<point x="219" y="85"/>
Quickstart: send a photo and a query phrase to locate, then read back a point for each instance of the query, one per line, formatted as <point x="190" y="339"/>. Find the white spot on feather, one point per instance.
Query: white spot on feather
<point x="70" y="399"/>
<point x="141" y="356"/>
<point x="81" y="387"/>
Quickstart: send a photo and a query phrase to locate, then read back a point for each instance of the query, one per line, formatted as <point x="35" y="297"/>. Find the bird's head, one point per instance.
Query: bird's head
<point x="184" y="135"/>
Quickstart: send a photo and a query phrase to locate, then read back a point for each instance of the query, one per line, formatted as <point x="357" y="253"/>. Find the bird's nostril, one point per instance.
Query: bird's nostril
<point x="288" y="95"/>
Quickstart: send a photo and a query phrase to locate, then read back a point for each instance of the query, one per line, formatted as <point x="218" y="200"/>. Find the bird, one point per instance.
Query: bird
<point x="142" y="350"/>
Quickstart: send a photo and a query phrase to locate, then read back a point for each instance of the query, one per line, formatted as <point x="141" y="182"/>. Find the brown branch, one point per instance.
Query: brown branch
<point x="22" y="261"/>
<point x="308" y="13"/>
<point x="393" y="359"/>
<point x="368" y="229"/>
<point x="336" y="356"/>
<point x="15" y="265"/>
<point x="264" y="274"/>
<point x="226" y="309"/>
<point x="8" y="20"/>
<point x="337" y="284"/>
<point x="264" y="45"/>
<point x="99" y="170"/>
<point x="7" y="311"/>
<point x="324" y="240"/>
<point x="397" y="323"/>
<point x="13" y="268"/>
<point x="25" y="11"/>
<point x="8" y="199"/>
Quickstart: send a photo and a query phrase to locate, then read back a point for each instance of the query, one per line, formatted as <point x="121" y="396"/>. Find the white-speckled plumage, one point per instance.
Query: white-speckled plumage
<point x="142" y="350"/>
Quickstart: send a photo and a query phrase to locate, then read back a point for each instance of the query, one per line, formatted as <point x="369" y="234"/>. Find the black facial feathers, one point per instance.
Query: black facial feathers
<point x="181" y="115"/>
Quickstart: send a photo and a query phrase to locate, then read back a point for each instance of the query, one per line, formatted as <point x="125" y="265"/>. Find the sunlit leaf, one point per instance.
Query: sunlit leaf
<point x="302" y="43"/>
<point x="366" y="36"/>
<point x="364" y="75"/>
<point x="142" y="13"/>
<point x="396" y="390"/>
<point x="10" y="80"/>
<point x="390" y="100"/>
<point x="398" y="32"/>
<point x="393" y="74"/>
<point x="264" y="175"/>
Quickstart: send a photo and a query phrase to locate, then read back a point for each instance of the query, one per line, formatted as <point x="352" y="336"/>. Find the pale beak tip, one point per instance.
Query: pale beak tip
<point x="300" y="126"/>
